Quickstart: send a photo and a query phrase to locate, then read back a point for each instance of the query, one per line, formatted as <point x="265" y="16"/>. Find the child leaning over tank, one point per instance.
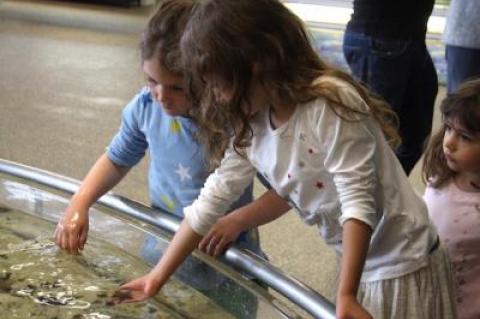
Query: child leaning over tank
<point x="158" y="119"/>
<point x="319" y="138"/>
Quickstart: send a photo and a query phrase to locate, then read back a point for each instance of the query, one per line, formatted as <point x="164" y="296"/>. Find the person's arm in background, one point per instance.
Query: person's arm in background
<point x="72" y="229"/>
<point x="265" y="209"/>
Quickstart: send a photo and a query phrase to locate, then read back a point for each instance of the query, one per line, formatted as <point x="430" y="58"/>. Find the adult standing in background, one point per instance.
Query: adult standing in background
<point x="384" y="45"/>
<point x="462" y="40"/>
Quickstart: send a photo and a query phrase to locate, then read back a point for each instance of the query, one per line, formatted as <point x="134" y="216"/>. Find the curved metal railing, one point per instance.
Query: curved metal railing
<point x="294" y="290"/>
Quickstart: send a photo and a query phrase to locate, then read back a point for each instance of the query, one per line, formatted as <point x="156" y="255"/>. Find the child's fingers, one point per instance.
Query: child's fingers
<point x="123" y="295"/>
<point x="64" y="241"/>
<point x="204" y="242"/>
<point x="212" y="245"/>
<point x="56" y="235"/>
<point x="133" y="291"/>
<point x="82" y="239"/>
<point x="132" y="285"/>
<point x="60" y="236"/>
<point x="73" y="243"/>
<point x="221" y="247"/>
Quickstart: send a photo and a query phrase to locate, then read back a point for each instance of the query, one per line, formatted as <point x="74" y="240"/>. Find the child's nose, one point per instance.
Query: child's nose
<point x="449" y="141"/>
<point x="161" y="94"/>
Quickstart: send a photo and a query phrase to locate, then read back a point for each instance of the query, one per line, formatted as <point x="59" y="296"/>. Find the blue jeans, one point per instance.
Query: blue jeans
<point x="402" y="73"/>
<point x="462" y="64"/>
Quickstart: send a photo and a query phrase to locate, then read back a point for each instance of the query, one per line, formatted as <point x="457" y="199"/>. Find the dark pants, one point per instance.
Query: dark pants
<point x="402" y="72"/>
<point x="462" y="64"/>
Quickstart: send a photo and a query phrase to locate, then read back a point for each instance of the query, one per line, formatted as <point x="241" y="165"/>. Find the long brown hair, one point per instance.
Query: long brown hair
<point x="462" y="107"/>
<point x="224" y="39"/>
<point x="222" y="42"/>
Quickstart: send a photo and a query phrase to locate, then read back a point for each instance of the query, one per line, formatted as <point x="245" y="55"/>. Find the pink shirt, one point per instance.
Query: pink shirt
<point x="456" y="214"/>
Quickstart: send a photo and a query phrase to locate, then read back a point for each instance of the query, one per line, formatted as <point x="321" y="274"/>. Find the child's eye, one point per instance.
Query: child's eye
<point x="466" y="137"/>
<point x="177" y="88"/>
<point x="150" y="81"/>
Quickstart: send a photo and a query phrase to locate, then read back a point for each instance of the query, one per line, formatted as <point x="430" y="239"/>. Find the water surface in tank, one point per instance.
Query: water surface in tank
<point x="38" y="280"/>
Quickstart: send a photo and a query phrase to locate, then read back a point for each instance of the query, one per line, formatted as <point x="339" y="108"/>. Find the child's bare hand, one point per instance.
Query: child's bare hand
<point x="138" y="289"/>
<point x="72" y="230"/>
<point x="224" y="232"/>
<point x="349" y="308"/>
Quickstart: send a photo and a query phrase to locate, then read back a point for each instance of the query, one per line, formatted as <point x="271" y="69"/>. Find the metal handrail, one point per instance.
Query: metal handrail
<point x="293" y="289"/>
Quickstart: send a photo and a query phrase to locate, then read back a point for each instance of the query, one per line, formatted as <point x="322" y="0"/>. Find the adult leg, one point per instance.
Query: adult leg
<point x="462" y="64"/>
<point x="418" y="104"/>
<point x="385" y="67"/>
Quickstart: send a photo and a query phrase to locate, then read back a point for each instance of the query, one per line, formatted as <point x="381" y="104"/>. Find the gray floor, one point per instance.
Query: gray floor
<point x="66" y="71"/>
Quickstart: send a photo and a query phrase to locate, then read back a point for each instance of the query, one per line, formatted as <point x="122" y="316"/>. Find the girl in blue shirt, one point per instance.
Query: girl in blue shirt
<point x="157" y="119"/>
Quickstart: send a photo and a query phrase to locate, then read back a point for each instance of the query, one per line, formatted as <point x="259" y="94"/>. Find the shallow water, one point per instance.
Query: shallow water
<point x="38" y="280"/>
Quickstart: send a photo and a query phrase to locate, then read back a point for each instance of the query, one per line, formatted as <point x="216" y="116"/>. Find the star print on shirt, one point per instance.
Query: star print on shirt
<point x="301" y="137"/>
<point x="183" y="172"/>
<point x="169" y="203"/>
<point x="175" y="126"/>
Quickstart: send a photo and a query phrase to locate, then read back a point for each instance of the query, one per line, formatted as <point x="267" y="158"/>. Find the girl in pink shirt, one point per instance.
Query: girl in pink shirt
<point x="452" y="169"/>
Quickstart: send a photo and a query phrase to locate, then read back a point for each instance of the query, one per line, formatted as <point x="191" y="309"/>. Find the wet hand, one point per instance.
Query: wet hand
<point x="137" y="290"/>
<point x="220" y="236"/>
<point x="349" y="308"/>
<point x="72" y="230"/>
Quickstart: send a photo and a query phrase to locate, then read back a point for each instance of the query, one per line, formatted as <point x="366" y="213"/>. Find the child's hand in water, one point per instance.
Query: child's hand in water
<point x="137" y="290"/>
<point x="71" y="231"/>
<point x="224" y="232"/>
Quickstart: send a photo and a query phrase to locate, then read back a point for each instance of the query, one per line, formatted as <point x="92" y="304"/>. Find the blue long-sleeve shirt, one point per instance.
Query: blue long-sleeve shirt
<point x="177" y="169"/>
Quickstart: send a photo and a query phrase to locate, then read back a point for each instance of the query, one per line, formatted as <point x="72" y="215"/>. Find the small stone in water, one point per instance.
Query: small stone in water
<point x="4" y="209"/>
<point x="4" y="275"/>
<point x="5" y="287"/>
<point x="151" y="310"/>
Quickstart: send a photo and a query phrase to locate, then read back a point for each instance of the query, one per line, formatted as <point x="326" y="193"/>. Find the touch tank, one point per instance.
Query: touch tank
<point x="38" y="280"/>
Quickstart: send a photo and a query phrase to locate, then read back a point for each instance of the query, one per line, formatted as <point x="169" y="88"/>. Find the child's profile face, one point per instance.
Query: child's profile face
<point x="166" y="87"/>
<point x="461" y="148"/>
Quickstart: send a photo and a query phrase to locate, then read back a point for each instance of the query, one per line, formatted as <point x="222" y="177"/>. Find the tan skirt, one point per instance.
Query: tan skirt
<point x="424" y="294"/>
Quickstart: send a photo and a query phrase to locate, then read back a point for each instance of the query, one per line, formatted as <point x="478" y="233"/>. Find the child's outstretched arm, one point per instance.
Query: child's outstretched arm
<point x="221" y="189"/>
<point x="72" y="229"/>
<point x="355" y="243"/>
<point x="182" y="244"/>
<point x="265" y="209"/>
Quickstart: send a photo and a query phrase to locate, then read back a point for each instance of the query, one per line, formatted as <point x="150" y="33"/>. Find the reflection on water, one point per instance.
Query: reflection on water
<point x="38" y="280"/>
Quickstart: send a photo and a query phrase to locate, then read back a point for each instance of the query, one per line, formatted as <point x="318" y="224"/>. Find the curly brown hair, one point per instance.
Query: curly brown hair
<point x="162" y="34"/>
<point x="462" y="107"/>
<point x="222" y="42"/>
